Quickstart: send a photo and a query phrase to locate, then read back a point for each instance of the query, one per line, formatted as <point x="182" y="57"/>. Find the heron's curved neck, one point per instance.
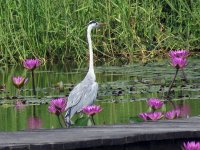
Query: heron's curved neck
<point x="91" y="63"/>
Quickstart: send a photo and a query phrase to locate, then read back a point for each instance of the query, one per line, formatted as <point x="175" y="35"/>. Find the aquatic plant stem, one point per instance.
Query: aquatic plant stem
<point x="59" y="120"/>
<point x="18" y="92"/>
<point x="153" y="109"/>
<point x="34" y="111"/>
<point x="92" y="119"/>
<point x="63" y="118"/>
<point x="169" y="90"/>
<point x="33" y="83"/>
<point x="184" y="76"/>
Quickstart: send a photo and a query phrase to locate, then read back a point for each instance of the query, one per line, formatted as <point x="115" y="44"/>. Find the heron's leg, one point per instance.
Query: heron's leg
<point x="68" y="117"/>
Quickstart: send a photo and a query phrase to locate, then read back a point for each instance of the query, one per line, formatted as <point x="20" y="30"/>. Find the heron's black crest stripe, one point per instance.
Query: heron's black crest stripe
<point x="93" y="21"/>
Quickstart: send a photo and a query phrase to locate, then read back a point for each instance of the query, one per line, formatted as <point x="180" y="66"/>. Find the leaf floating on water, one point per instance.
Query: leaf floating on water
<point x="82" y="121"/>
<point x="135" y="119"/>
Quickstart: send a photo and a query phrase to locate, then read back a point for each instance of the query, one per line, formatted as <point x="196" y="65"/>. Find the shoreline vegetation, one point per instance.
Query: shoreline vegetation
<point x="55" y="31"/>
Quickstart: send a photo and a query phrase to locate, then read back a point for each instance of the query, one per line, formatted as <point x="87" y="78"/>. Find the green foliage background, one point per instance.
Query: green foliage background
<point x="56" y="29"/>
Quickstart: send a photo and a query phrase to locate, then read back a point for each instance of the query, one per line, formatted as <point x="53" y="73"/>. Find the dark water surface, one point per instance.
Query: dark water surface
<point x="123" y="91"/>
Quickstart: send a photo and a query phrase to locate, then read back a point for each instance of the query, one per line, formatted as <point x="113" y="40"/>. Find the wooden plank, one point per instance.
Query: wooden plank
<point x="103" y="136"/>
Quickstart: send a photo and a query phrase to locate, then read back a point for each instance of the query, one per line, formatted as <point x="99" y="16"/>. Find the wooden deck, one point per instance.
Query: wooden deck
<point x="161" y="135"/>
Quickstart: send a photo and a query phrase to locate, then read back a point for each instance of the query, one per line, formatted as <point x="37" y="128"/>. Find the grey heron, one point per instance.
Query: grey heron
<point x="84" y="93"/>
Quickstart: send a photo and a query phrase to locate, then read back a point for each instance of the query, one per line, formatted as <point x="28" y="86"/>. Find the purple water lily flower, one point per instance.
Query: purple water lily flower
<point x="19" y="81"/>
<point x="154" y="116"/>
<point x="155" y="103"/>
<point x="178" y="58"/>
<point x="57" y="106"/>
<point x="91" y="110"/>
<point x="191" y="145"/>
<point x="172" y="114"/>
<point x="151" y="116"/>
<point x="179" y="63"/>
<point x="179" y="53"/>
<point x="175" y="113"/>
<point x="144" y="116"/>
<point x="31" y="64"/>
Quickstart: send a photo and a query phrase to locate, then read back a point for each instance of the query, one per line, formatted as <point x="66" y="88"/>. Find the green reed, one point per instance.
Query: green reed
<point x="56" y="30"/>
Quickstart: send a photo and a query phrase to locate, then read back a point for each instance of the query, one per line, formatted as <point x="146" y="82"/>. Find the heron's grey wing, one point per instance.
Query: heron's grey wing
<point x="75" y="95"/>
<point x="88" y="97"/>
<point x="82" y="91"/>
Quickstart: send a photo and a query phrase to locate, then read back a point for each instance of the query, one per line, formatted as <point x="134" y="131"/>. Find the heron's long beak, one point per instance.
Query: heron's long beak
<point x="102" y="24"/>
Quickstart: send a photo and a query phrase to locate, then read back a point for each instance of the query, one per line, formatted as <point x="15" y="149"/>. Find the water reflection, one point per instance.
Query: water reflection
<point x="37" y="116"/>
<point x="122" y="91"/>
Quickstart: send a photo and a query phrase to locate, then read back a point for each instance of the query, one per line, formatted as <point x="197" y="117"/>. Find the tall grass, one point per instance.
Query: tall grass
<point x="56" y="29"/>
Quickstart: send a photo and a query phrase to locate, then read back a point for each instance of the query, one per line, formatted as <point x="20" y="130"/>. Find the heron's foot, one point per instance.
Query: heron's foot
<point x="69" y="123"/>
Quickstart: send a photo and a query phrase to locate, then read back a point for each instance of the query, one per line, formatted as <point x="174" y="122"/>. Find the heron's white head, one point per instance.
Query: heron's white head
<point x="93" y="24"/>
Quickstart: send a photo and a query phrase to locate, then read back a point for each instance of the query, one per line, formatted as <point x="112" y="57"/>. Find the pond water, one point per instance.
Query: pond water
<point x="123" y="91"/>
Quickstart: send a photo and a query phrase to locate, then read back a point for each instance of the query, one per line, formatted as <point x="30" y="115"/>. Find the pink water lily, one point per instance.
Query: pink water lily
<point x="154" y="116"/>
<point x="179" y="63"/>
<point x="179" y="53"/>
<point x="19" y="81"/>
<point x="57" y="106"/>
<point x="91" y="110"/>
<point x="171" y="114"/>
<point x="191" y="145"/>
<point x="144" y="116"/>
<point x="31" y="64"/>
<point x="155" y="103"/>
<point x="174" y="113"/>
